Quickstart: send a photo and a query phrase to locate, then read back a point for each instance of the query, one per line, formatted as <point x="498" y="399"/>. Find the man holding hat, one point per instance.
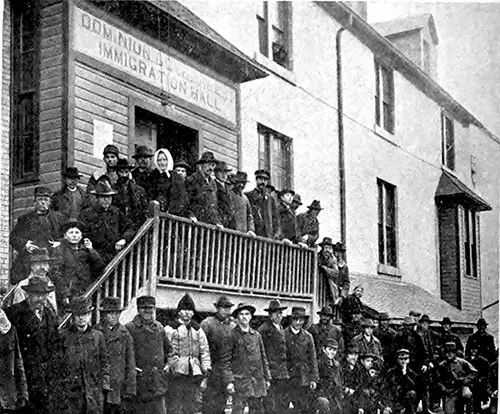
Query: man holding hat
<point x="37" y="329"/>
<point x="308" y="224"/>
<point x="330" y="389"/>
<point x="302" y="362"/>
<point x="242" y="210"/>
<point x="246" y="365"/>
<point x="325" y="329"/>
<point x="71" y="198"/>
<point x="368" y="343"/>
<point x="140" y="173"/>
<point x="218" y="329"/>
<point x="111" y="155"/>
<point x="86" y="373"/>
<point x="40" y="228"/>
<point x="121" y="357"/>
<point x="273" y="336"/>
<point x="152" y="352"/>
<point x="264" y="207"/>
<point x="190" y="363"/>
<point x="483" y="342"/>
<point x="224" y="204"/>
<point x="447" y="336"/>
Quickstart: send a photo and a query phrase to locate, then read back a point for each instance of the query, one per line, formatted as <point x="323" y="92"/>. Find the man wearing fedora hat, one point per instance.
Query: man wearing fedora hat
<point x="181" y="167"/>
<point x="111" y="154"/>
<point x="71" y="198"/>
<point x="367" y="342"/>
<point x="224" y="204"/>
<point x="296" y="202"/>
<point x="325" y="329"/>
<point x="482" y="341"/>
<point x="308" y="224"/>
<point x="86" y="366"/>
<point x="121" y="357"/>
<point x="242" y="210"/>
<point x="37" y="329"/>
<point x="218" y="329"/>
<point x="140" y="173"/>
<point x="40" y="228"/>
<point x="302" y="362"/>
<point x="386" y="335"/>
<point x="447" y="336"/>
<point x="273" y="336"/>
<point x="104" y="224"/>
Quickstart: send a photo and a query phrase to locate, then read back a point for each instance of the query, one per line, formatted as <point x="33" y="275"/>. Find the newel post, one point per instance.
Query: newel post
<point x="315" y="283"/>
<point x="154" y="243"/>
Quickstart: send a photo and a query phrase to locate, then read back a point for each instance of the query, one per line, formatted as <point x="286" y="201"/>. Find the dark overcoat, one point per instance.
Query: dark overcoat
<point x="322" y="332"/>
<point x="485" y="345"/>
<point x="86" y="372"/>
<point x="202" y="198"/>
<point x="32" y="227"/>
<point x="142" y="178"/>
<point x="446" y="337"/>
<point x="398" y="390"/>
<point x="330" y="382"/>
<point x="265" y="213"/>
<point x="364" y="346"/>
<point x="225" y="205"/>
<point x="12" y="377"/>
<point x="152" y="350"/>
<point x="349" y="306"/>
<point x="170" y="192"/>
<point x="132" y="201"/>
<point x="308" y="225"/>
<point x="386" y="338"/>
<point x="121" y="359"/>
<point x="411" y="341"/>
<point x="365" y="391"/>
<point x="61" y="202"/>
<point x="288" y="222"/>
<point x="454" y="374"/>
<point x="301" y="356"/>
<point x="275" y="345"/>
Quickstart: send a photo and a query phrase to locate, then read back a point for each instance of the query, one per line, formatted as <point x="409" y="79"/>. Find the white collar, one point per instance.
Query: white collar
<point x="295" y="331"/>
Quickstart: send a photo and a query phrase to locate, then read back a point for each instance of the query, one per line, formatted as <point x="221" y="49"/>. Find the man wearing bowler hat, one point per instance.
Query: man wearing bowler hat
<point x="308" y="224"/>
<point x="273" y="336"/>
<point x="242" y="210"/>
<point x="152" y="352"/>
<point x="264" y="207"/>
<point x="482" y="341"/>
<point x="325" y="329"/>
<point x="71" y="198"/>
<point x="111" y="154"/>
<point x="447" y="336"/>
<point x="302" y="362"/>
<point x="218" y="329"/>
<point x="86" y="372"/>
<point x="140" y="173"/>
<point x="121" y="357"/>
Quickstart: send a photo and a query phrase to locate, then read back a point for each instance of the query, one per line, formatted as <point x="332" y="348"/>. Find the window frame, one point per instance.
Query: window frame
<point x="470" y="243"/>
<point x="385" y="116"/>
<point x="387" y="255"/>
<point x="448" y="155"/>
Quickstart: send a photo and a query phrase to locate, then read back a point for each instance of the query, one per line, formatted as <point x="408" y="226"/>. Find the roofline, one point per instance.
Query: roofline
<point x="384" y="49"/>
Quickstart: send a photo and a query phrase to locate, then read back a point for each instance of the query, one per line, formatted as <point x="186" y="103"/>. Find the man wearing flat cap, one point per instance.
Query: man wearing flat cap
<point x="246" y="364"/>
<point x="482" y="341"/>
<point x="325" y="329"/>
<point x="242" y="210"/>
<point x="218" y="329"/>
<point x="273" y="336"/>
<point x="264" y="207"/>
<point x="71" y="198"/>
<point x="330" y="388"/>
<point x="111" y="154"/>
<point x="121" y="357"/>
<point x="140" y="173"/>
<point x="302" y="362"/>
<point x="408" y="338"/>
<point x="446" y="336"/>
<point x="152" y="352"/>
<point x="308" y="224"/>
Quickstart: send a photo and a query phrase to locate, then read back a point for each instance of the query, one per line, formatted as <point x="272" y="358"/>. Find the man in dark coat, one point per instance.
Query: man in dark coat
<point x="481" y="386"/>
<point x="386" y="335"/>
<point x="121" y="357"/>
<point x="408" y="338"/>
<point x="71" y="198"/>
<point x="218" y="329"/>
<point x="273" y="336"/>
<point x="365" y="391"/>
<point x="242" y="210"/>
<point x="367" y="343"/>
<point x="86" y="374"/>
<point x="140" y="173"/>
<point x="447" y="336"/>
<point x="302" y="362"/>
<point x="330" y="389"/>
<point x="296" y="202"/>
<point x="104" y="224"/>
<point x="482" y="341"/>
<point x="308" y="224"/>
<point x="152" y="352"/>
<point x="329" y="270"/>
<point x="264" y="207"/>
<point x="111" y="155"/>
<point x="224" y="204"/>
<point x="325" y="329"/>
<point x="344" y="281"/>
<point x="37" y="329"/>
<point x="202" y="191"/>
<point x="37" y="229"/>
<point x="347" y="370"/>
<point x="288" y="219"/>
<point x="351" y="309"/>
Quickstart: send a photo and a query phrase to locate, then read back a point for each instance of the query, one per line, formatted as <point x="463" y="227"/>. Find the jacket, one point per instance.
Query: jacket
<point x="152" y="351"/>
<point x="225" y="205"/>
<point x="365" y="391"/>
<point x="170" y="192"/>
<point x="454" y="374"/>
<point x="202" y="195"/>
<point x="413" y="342"/>
<point x="330" y="381"/>
<point x="349" y="306"/>
<point x="398" y="388"/>
<point x="386" y="338"/>
<point x="275" y="345"/>
<point x="485" y="344"/>
<point x="450" y="337"/>
<point x="308" y="225"/>
<point x="246" y="364"/>
<point x="121" y="359"/>
<point x="100" y="174"/>
<point x="288" y="223"/>
<point x="190" y="351"/>
<point x="242" y="211"/>
<point x="86" y="369"/>
<point x="374" y="346"/>
<point x="265" y="213"/>
<point x="132" y="201"/>
<point x="301" y="356"/>
<point x="62" y="202"/>
<point x="142" y="179"/>
<point x="321" y="333"/>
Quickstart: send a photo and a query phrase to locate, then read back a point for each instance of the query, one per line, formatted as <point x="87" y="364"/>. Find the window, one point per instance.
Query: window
<point x="448" y="142"/>
<point x="275" y="155"/>
<point x="470" y="242"/>
<point x="26" y="79"/>
<point x="273" y="19"/>
<point x="384" y="97"/>
<point x="387" y="250"/>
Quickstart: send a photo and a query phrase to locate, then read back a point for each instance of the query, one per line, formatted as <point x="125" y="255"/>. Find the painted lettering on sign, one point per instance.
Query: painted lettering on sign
<point x="100" y="40"/>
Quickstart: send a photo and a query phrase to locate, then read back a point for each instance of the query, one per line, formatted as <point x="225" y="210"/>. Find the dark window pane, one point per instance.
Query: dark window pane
<point x="28" y="153"/>
<point x="263" y="37"/>
<point x="28" y="76"/>
<point x="391" y="246"/>
<point x="27" y="116"/>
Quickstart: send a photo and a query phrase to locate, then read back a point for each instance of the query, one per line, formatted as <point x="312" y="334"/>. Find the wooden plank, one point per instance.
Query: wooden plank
<point x="52" y="145"/>
<point x="100" y="90"/>
<point x="51" y="10"/>
<point x="51" y="166"/>
<point x="119" y="107"/>
<point x="83" y="122"/>
<point x="52" y="72"/>
<point x="103" y="112"/>
<point x="54" y="103"/>
<point x="51" y="51"/>
<point x="176" y="247"/>
<point x="206" y="255"/>
<point x="217" y="255"/>
<point x="229" y="142"/>
<point x="49" y="21"/>
<point x="51" y="62"/>
<point x="52" y="30"/>
<point x="48" y="42"/>
<point x="223" y="262"/>
<point x="84" y="146"/>
<point x="50" y="124"/>
<point x="50" y="156"/>
<point x="51" y="93"/>
<point x="49" y="114"/>
<point x="168" y="238"/>
<point x="50" y="83"/>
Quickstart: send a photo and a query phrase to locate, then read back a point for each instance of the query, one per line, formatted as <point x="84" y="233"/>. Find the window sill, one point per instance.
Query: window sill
<point x="471" y="277"/>
<point x="383" y="133"/>
<point x="388" y="270"/>
<point x="279" y="70"/>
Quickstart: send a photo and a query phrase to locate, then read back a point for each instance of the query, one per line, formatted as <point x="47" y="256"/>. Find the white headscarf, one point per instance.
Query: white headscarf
<point x="170" y="160"/>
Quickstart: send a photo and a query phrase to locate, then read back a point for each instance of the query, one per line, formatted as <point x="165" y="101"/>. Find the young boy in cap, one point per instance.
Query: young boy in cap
<point x="71" y="198"/>
<point x="330" y="388"/>
<point x="190" y="363"/>
<point x="121" y="357"/>
<point x="288" y="220"/>
<point x="111" y="154"/>
<point x="365" y="391"/>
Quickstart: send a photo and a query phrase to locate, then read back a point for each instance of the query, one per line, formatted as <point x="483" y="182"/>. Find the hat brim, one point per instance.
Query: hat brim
<point x="40" y="259"/>
<point x="325" y="313"/>
<point x="111" y="309"/>
<point x="135" y="156"/>
<point x="72" y="176"/>
<point x="109" y="193"/>
<point x="270" y="310"/>
<point x="186" y="166"/>
<point x="263" y="176"/>
<point x="27" y="289"/>
<point x="81" y="311"/>
<point x="249" y="308"/>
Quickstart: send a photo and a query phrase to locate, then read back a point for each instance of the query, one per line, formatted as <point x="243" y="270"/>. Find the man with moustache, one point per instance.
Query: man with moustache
<point x="325" y="329"/>
<point x="224" y="205"/>
<point x="242" y="210"/>
<point x="140" y="173"/>
<point x="111" y="155"/>
<point x="71" y="198"/>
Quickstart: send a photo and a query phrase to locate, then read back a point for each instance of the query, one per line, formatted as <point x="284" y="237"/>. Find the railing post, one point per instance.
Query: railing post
<point x="154" y="211"/>
<point x="315" y="284"/>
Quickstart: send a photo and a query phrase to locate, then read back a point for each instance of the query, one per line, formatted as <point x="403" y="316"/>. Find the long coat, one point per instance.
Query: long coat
<point x="12" y="377"/>
<point x="246" y="364"/>
<point x="132" y="201"/>
<point x="152" y="351"/>
<point x="301" y="356"/>
<point x="485" y="344"/>
<point x="242" y="211"/>
<point x="349" y="306"/>
<point x="86" y="370"/>
<point x="32" y="227"/>
<point x="225" y="205"/>
<point x="121" y="359"/>
<point x="73" y="270"/>
<point x="105" y="228"/>
<point x="454" y="374"/>
<point x="275" y="345"/>
<point x="330" y="382"/>
<point x="374" y="346"/>
<point x="307" y="224"/>
<point x="202" y="198"/>
<point x="413" y="342"/>
<point x="62" y="202"/>
<point x="322" y="332"/>
<point x="265" y="213"/>
<point x="386" y="338"/>
<point x="446" y="337"/>
<point x="365" y="392"/>
<point x="142" y="178"/>
<point x="288" y="222"/>
<point x="398" y="390"/>
<point x="169" y="191"/>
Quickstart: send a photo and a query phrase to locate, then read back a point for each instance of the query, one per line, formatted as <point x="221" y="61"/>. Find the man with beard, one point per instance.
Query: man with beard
<point x="71" y="198"/>
<point x="111" y="155"/>
<point x="264" y="207"/>
<point x="242" y="210"/>
<point x="37" y="329"/>
<point x="482" y="341"/>
<point x="344" y="281"/>
<point x="308" y="224"/>
<point x="386" y="335"/>
<point x="224" y="205"/>
<point x="140" y="173"/>
<point x="325" y="329"/>
<point x="328" y="269"/>
<point x="447" y="336"/>
<point x="352" y="313"/>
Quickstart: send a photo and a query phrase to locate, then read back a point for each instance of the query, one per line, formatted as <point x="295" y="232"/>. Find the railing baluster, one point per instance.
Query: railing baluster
<point x="187" y="247"/>
<point x="238" y="271"/>
<point x="234" y="258"/>
<point x="176" y="247"/>
<point x="125" y="265"/>
<point x="206" y="257"/>
<point x="114" y="291"/>
<point x="217" y="255"/>
<point x="224" y="249"/>
<point x="199" y="274"/>
<point x="140" y="258"/>
<point x="168" y="253"/>
<point x="161" y="248"/>
<point x="212" y="257"/>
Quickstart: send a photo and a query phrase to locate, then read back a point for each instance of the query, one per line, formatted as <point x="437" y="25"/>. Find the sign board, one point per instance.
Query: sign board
<point x="103" y="135"/>
<point x="102" y="41"/>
